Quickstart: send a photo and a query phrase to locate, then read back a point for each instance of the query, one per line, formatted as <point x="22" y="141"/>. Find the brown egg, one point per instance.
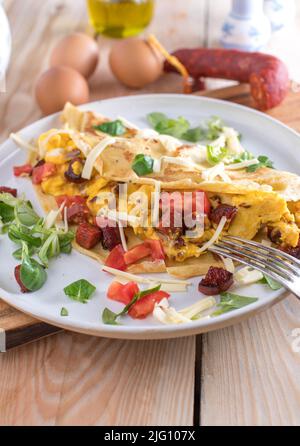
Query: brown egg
<point x="77" y="51"/>
<point x="135" y="63"/>
<point x="59" y="85"/>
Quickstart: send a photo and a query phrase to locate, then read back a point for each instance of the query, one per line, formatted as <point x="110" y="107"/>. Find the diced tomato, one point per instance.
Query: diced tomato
<point x="8" y="190"/>
<point x="116" y="259"/>
<point x="25" y="170"/>
<point x="18" y="279"/>
<point x="155" y="246"/>
<point x="77" y="210"/>
<point x="145" y="306"/>
<point x="69" y="200"/>
<point x="137" y="253"/>
<point x="122" y="293"/>
<point x="43" y="171"/>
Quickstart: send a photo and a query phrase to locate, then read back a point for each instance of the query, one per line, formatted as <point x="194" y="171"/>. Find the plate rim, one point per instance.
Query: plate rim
<point x="163" y="331"/>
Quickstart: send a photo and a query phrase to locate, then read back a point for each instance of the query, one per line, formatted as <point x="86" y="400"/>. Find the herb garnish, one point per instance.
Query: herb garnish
<point x="33" y="276"/>
<point x="25" y="228"/>
<point x="81" y="291"/>
<point x="215" y="154"/>
<point x="110" y="318"/>
<point x="113" y="128"/>
<point x="229" y="302"/>
<point x="181" y="128"/>
<point x="264" y="161"/>
<point x="142" y="164"/>
<point x="64" y="312"/>
<point x="273" y="284"/>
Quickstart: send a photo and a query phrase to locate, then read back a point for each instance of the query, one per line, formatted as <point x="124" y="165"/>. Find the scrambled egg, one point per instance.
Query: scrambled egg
<point x="259" y="208"/>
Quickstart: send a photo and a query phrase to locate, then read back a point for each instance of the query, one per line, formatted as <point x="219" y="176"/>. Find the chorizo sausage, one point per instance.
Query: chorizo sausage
<point x="216" y="281"/>
<point x="88" y="236"/>
<point x="8" y="190"/>
<point x="267" y="75"/>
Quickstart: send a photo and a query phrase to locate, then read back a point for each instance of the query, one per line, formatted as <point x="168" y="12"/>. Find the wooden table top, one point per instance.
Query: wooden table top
<point x="248" y="374"/>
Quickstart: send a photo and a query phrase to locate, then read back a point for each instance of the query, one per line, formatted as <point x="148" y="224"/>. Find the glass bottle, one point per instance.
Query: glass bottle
<point x="120" y="18"/>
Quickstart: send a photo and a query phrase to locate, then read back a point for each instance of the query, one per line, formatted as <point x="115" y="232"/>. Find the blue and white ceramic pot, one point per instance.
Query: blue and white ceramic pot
<point x="247" y="27"/>
<point x="281" y="13"/>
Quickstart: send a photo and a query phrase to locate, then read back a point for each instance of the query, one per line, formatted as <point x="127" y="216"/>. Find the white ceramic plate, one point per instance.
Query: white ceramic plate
<point x="261" y="135"/>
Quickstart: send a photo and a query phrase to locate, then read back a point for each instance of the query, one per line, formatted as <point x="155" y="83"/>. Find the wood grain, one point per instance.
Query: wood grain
<point x="250" y="374"/>
<point x="71" y="379"/>
<point x="78" y="380"/>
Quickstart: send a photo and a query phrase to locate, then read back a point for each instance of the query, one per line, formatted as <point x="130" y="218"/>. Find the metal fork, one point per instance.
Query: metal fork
<point x="276" y="264"/>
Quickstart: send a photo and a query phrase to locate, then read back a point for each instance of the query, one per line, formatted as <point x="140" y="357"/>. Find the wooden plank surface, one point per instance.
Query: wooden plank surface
<point x="250" y="375"/>
<point x="69" y="378"/>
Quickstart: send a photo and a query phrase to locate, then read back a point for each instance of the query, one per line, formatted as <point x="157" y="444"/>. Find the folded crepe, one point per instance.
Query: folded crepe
<point x="266" y="199"/>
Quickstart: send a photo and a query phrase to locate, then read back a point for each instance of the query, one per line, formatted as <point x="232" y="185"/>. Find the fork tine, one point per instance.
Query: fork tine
<point x="264" y="263"/>
<point x="224" y="252"/>
<point x="265" y="256"/>
<point x="275" y="251"/>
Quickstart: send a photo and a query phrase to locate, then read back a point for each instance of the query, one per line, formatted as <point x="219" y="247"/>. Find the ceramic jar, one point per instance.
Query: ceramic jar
<point x="247" y="27"/>
<point x="281" y="13"/>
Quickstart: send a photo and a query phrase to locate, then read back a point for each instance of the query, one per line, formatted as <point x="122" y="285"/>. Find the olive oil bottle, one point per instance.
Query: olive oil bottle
<point x="120" y="18"/>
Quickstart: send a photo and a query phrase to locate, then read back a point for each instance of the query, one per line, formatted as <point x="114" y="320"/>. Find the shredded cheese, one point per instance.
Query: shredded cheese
<point x="242" y="165"/>
<point x="127" y="124"/>
<point x="247" y="276"/>
<point x="93" y="155"/>
<point x="83" y="146"/>
<point x="165" y="314"/>
<point x="198" y="307"/>
<point x="228" y="263"/>
<point x="122" y="235"/>
<point x="216" y="171"/>
<point x="215" y="237"/>
<point x="51" y="218"/>
<point x="168" y="315"/>
<point x="180" y="161"/>
<point x="22" y="143"/>
<point x="141" y="279"/>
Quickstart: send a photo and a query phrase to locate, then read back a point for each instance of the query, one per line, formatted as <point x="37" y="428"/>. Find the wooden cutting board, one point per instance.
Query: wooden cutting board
<point x="17" y="329"/>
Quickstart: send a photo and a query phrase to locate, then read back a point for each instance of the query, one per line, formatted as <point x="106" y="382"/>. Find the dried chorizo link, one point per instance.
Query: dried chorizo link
<point x="267" y="75"/>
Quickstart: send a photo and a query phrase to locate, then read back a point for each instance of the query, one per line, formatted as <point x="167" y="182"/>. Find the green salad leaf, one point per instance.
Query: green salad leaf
<point x="110" y="318"/>
<point x="215" y="154"/>
<point x="194" y="135"/>
<point x="166" y="126"/>
<point x="181" y="128"/>
<point x="32" y="274"/>
<point x="273" y="284"/>
<point x="142" y="164"/>
<point x="7" y="213"/>
<point x="64" y="312"/>
<point x="25" y="214"/>
<point x="113" y="128"/>
<point x="244" y="156"/>
<point x="18" y="234"/>
<point x="81" y="291"/>
<point x="229" y="302"/>
<point x="264" y="161"/>
<point x="215" y="128"/>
